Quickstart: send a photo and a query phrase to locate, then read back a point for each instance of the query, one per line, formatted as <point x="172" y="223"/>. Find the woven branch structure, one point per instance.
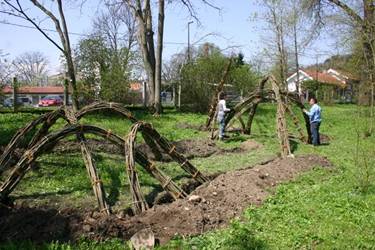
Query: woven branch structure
<point x="283" y="99"/>
<point x="14" y="166"/>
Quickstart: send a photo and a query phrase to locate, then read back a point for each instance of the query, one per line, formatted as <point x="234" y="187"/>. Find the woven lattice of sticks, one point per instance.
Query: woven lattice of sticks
<point x="13" y="167"/>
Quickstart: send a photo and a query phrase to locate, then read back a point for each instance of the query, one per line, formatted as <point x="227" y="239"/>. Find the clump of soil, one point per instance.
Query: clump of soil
<point x="210" y="206"/>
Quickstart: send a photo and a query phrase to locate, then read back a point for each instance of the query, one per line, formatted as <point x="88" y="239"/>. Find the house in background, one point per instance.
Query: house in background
<point x="343" y="84"/>
<point x="34" y="93"/>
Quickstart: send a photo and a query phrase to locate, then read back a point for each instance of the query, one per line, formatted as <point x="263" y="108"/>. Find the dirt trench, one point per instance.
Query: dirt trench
<point x="215" y="203"/>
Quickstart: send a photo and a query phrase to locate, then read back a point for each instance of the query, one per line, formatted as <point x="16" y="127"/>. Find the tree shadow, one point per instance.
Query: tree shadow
<point x="293" y="145"/>
<point x="47" y="194"/>
<point x="114" y="186"/>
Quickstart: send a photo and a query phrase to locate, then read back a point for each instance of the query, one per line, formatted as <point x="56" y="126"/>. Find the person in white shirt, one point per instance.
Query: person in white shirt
<point x="221" y="109"/>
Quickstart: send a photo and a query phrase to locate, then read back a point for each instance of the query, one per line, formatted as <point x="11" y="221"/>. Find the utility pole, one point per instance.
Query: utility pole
<point x="317" y="76"/>
<point x="188" y="48"/>
<point x="15" y="89"/>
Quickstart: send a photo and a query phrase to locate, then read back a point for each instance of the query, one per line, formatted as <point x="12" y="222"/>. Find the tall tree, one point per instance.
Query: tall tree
<point x="107" y="58"/>
<point x="31" y="67"/>
<point x="152" y="59"/>
<point x="362" y="18"/>
<point x="17" y="8"/>
<point x="6" y="70"/>
<point x="142" y="13"/>
<point x="300" y="33"/>
<point x="276" y="19"/>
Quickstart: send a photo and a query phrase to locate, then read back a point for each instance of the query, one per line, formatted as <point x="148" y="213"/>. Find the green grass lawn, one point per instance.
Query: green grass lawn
<point x="323" y="209"/>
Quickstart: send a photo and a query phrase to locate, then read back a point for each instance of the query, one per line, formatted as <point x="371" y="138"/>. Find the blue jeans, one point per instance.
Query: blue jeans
<point x="314" y="127"/>
<point x="221" y="128"/>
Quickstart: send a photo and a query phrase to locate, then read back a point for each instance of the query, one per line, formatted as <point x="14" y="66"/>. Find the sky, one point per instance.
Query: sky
<point x="230" y="28"/>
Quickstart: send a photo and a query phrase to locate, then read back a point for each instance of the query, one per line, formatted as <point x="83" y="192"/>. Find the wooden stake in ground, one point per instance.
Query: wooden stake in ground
<point x="213" y="106"/>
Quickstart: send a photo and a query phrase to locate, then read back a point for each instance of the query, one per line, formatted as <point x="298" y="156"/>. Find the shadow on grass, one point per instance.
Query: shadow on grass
<point x="114" y="186"/>
<point x="47" y="194"/>
<point x="293" y="145"/>
<point x="239" y="236"/>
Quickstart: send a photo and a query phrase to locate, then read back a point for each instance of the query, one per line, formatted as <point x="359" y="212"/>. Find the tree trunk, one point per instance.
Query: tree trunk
<point x="146" y="41"/>
<point x="66" y="92"/>
<point x="159" y="53"/>
<point x="73" y="83"/>
<point x="64" y="35"/>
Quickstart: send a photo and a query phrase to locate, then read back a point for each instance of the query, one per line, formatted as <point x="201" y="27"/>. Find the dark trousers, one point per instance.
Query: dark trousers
<point x="314" y="127"/>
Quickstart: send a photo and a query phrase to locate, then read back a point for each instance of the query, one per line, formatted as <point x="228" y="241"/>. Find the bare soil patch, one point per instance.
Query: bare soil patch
<point x="214" y="205"/>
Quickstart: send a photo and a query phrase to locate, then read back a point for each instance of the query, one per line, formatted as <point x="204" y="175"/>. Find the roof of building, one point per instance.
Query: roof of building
<point x="325" y="78"/>
<point x="35" y="90"/>
<point x="322" y="77"/>
<point x="343" y="74"/>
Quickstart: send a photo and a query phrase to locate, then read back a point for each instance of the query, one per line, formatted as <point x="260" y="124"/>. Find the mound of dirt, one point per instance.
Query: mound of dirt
<point x="210" y="206"/>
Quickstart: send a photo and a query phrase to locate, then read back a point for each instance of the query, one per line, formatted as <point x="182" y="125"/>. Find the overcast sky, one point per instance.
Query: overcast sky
<point x="232" y="27"/>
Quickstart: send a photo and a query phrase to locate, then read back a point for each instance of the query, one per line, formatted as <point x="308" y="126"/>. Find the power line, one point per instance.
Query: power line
<point x="70" y="33"/>
<point x="170" y="43"/>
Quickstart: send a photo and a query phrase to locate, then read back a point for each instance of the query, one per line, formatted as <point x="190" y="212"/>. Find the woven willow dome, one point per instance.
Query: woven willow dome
<point x="13" y="166"/>
<point x="249" y="106"/>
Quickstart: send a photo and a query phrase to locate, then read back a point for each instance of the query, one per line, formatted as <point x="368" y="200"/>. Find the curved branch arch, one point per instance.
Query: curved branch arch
<point x="42" y="141"/>
<point x="251" y="102"/>
<point x="48" y="118"/>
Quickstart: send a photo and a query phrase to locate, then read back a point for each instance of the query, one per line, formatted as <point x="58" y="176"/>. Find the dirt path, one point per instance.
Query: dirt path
<point x="216" y="203"/>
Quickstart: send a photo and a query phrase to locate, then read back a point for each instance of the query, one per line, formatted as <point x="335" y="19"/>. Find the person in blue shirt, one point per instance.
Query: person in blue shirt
<point x="315" y="115"/>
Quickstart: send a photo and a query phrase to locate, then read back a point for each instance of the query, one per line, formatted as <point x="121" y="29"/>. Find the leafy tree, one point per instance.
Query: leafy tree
<point x="105" y="72"/>
<point x="152" y="50"/>
<point x="244" y="78"/>
<point x="199" y="77"/>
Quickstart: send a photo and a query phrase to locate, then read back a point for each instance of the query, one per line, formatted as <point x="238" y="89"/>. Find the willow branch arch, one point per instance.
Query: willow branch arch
<point x="42" y="141"/>
<point x="261" y="94"/>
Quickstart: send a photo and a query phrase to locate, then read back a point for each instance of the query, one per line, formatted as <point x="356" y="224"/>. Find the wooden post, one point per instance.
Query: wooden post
<point x="97" y="184"/>
<point x="15" y="89"/>
<point x="282" y="130"/>
<point x="144" y="93"/>
<point x="179" y="96"/>
<point x="215" y="98"/>
<point x="250" y="118"/>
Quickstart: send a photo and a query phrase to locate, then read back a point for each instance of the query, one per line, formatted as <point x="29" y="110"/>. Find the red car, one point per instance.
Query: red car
<point x="51" y="100"/>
